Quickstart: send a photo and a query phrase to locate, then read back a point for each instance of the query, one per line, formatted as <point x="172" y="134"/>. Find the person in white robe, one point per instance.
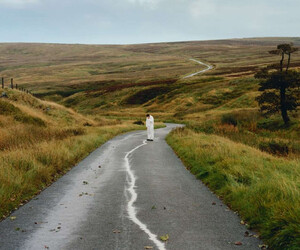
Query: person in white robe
<point x="150" y="127"/>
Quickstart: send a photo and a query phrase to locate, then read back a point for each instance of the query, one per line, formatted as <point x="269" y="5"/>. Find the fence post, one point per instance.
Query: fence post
<point x="3" y="82"/>
<point x="12" y="83"/>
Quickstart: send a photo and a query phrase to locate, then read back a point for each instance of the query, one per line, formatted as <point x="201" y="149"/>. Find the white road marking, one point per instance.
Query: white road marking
<point x="131" y="208"/>
<point x="209" y="67"/>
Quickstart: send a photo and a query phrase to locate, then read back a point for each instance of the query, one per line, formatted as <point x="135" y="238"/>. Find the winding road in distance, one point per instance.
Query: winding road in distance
<point x="125" y="195"/>
<point x="208" y="67"/>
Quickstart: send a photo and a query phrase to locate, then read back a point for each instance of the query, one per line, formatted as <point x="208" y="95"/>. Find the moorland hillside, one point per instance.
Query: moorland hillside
<point x="250" y="160"/>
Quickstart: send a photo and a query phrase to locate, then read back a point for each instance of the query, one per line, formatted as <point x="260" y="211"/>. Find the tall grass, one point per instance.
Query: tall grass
<point x="262" y="188"/>
<point x="39" y="141"/>
<point x="250" y="128"/>
<point x="25" y="171"/>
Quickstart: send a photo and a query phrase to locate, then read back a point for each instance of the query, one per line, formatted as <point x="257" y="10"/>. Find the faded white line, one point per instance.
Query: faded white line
<point x="131" y="208"/>
<point x="209" y="67"/>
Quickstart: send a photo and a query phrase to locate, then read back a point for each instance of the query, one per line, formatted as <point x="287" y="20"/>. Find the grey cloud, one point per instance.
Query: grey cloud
<point x="134" y="21"/>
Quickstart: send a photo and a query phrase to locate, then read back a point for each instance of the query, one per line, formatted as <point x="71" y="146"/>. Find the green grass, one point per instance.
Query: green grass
<point x="262" y="188"/>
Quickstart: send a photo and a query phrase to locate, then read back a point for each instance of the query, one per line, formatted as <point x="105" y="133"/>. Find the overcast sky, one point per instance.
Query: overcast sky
<point x="140" y="21"/>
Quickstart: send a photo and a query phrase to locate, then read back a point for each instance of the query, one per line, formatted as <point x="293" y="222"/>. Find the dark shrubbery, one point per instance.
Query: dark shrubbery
<point x="271" y="124"/>
<point x="229" y="119"/>
<point x="241" y="117"/>
<point x="139" y="123"/>
<point x="87" y="124"/>
<point x="146" y="95"/>
<point x="275" y="148"/>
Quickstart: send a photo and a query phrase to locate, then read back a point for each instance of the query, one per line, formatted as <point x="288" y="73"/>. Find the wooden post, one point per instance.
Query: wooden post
<point x="3" y="82"/>
<point x="12" y="83"/>
<point x="16" y="86"/>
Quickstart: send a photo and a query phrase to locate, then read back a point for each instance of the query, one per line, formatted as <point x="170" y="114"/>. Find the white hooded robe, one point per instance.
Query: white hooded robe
<point x="150" y="127"/>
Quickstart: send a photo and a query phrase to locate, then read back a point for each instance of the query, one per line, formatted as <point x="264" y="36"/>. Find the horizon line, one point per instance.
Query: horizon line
<point x="144" y="43"/>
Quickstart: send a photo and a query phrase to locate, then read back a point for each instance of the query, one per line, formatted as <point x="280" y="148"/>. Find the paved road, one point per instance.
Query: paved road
<point x="208" y="67"/>
<point x="140" y="192"/>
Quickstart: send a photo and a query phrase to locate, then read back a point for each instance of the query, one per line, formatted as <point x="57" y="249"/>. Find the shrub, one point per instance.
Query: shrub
<point x="87" y="124"/>
<point x="275" y="148"/>
<point x="139" y="122"/>
<point x="229" y="119"/>
<point x="270" y="124"/>
<point x="206" y="127"/>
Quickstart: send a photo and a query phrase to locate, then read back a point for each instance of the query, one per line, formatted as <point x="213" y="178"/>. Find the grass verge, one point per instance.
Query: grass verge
<point x="28" y="170"/>
<point x="264" y="189"/>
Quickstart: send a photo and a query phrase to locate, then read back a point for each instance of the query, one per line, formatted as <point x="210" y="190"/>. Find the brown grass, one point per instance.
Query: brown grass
<point x="39" y="141"/>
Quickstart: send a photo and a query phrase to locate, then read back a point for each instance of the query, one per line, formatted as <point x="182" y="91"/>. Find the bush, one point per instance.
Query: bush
<point x="272" y="124"/>
<point x="275" y="148"/>
<point x="139" y="123"/>
<point x="87" y="124"/>
<point x="229" y="119"/>
<point x="206" y="127"/>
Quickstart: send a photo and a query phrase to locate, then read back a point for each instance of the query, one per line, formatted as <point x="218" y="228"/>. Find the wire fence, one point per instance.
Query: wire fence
<point x="12" y="85"/>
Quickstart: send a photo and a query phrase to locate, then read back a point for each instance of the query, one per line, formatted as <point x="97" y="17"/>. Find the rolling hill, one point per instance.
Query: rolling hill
<point x="92" y="92"/>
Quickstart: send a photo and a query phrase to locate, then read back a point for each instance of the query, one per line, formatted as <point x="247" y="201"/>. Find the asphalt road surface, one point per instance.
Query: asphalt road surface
<point x="208" y="67"/>
<point x="125" y="195"/>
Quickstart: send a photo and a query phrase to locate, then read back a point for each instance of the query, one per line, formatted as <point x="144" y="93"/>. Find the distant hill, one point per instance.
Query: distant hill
<point x="61" y="69"/>
<point x="102" y="79"/>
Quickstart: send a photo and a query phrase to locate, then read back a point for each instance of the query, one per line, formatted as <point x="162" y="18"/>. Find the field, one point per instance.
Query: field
<point x="250" y="160"/>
